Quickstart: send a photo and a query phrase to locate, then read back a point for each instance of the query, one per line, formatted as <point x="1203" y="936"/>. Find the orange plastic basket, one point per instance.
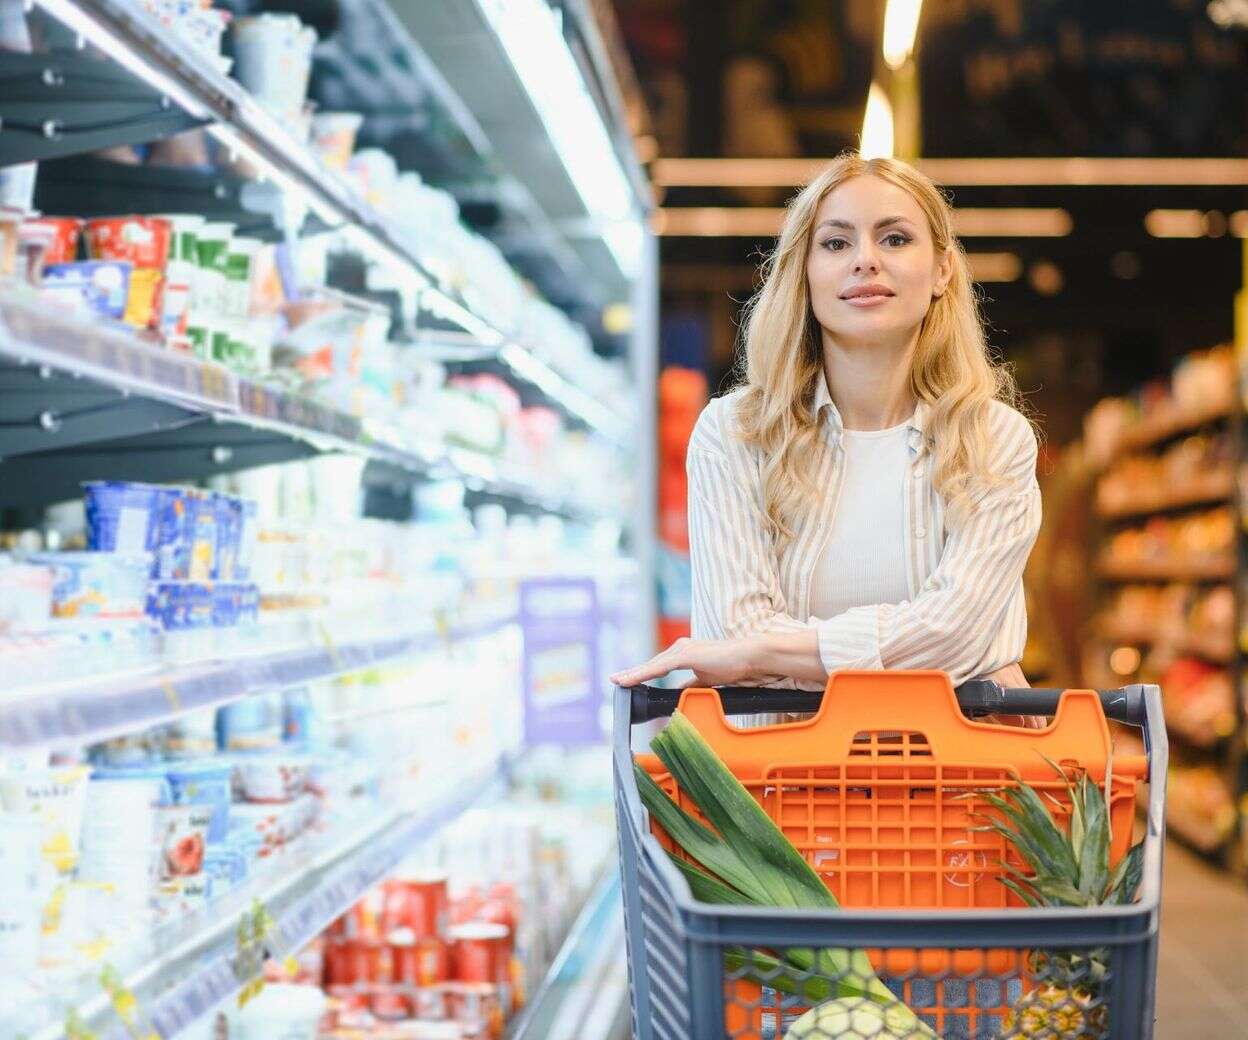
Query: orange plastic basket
<point x="877" y="791"/>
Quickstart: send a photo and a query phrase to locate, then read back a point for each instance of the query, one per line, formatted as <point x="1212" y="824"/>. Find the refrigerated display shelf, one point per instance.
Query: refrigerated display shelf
<point x="191" y="80"/>
<point x="194" y="972"/>
<point x="90" y="710"/>
<point x="1215" y="568"/>
<point x="1206" y="490"/>
<point x="81" y="399"/>
<point x="586" y="985"/>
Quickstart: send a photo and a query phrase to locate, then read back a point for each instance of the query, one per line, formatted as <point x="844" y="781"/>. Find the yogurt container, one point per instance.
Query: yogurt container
<point x="206" y="783"/>
<point x="62" y="235"/>
<point x="282" y="1011"/>
<point x="144" y="243"/>
<point x="180" y="271"/>
<point x="271" y="778"/>
<point x="182" y="836"/>
<point x="273" y="60"/>
<point x="251" y="724"/>
<point x="25" y="597"/>
<point x="333" y="137"/>
<point x="122" y="516"/>
<point x="212" y="246"/>
<point x="229" y="535"/>
<point x="202" y="517"/>
<point x="96" y="584"/>
<point x="54" y="797"/>
<point x="99" y="287"/>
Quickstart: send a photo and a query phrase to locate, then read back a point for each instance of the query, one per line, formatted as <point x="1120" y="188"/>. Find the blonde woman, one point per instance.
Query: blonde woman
<point x="867" y="497"/>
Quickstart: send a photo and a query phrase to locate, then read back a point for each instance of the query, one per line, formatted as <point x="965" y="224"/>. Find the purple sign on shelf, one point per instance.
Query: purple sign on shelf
<point x="563" y="691"/>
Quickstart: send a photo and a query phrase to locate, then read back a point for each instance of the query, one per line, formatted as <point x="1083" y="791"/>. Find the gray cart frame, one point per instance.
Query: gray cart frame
<point x="676" y="943"/>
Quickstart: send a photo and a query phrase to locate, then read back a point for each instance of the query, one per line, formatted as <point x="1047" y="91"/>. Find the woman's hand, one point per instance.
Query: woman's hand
<point x="714" y="662"/>
<point x="1012" y="677"/>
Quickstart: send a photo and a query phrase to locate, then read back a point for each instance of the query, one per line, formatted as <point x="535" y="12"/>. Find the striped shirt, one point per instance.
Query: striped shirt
<point x="965" y="613"/>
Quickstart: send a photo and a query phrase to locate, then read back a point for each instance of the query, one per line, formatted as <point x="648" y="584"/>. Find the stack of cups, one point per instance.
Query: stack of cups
<point x="118" y="840"/>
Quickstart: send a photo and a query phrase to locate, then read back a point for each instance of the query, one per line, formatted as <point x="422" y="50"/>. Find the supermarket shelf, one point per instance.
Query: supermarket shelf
<point x="88" y="711"/>
<point x="195" y="972"/>
<point x="1153" y="431"/>
<point x="193" y="82"/>
<point x="1200" y="741"/>
<point x="1198" y="644"/>
<point x="79" y="399"/>
<point x="1215" y="568"/>
<point x="1208" y="490"/>
<point x="580" y="997"/>
<point x="1197" y="835"/>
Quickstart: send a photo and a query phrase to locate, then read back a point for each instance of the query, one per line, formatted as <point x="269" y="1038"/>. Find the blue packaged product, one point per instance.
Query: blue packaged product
<point x="198" y="604"/>
<point x="96" y="584"/>
<point x="248" y="529"/>
<point x="173" y="534"/>
<point x="251" y="724"/>
<point x="99" y="286"/>
<point x="296" y="717"/>
<point x="204" y="782"/>
<point x="249" y="607"/>
<point x="168" y="603"/>
<point x="202" y="516"/>
<point x="122" y="516"/>
<point x="229" y="533"/>
<point x="226" y="602"/>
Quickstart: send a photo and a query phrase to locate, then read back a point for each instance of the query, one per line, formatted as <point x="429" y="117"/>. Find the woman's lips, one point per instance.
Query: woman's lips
<point x="867" y="301"/>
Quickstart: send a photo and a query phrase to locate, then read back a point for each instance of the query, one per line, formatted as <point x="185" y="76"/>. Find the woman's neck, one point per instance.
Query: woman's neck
<point x="870" y="386"/>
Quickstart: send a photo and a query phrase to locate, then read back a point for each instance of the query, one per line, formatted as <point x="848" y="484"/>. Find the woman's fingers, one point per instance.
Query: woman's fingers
<point x="667" y="661"/>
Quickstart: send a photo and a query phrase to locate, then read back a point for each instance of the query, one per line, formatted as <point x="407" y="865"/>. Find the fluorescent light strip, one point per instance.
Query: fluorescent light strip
<point x="765" y="222"/>
<point x="1195" y="223"/>
<point x="901" y="24"/>
<point x="550" y="382"/>
<point x="531" y="33"/>
<point x="877" y="125"/>
<point x="1020" y="172"/>
<point x="995" y="267"/>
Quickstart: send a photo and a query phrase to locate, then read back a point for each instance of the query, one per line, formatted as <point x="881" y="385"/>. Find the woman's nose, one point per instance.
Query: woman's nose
<point x="865" y="261"/>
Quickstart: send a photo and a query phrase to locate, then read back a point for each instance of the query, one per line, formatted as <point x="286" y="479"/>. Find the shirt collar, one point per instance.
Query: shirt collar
<point x="823" y="402"/>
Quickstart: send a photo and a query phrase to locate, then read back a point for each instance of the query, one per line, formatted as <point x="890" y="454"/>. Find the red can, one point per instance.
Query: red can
<point x="480" y="952"/>
<point x="425" y="962"/>
<point x="429" y="1002"/>
<point x="420" y="903"/>
<point x="356" y="962"/>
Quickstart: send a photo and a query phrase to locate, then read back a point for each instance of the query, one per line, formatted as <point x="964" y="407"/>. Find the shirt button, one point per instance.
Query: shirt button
<point x="919" y="532"/>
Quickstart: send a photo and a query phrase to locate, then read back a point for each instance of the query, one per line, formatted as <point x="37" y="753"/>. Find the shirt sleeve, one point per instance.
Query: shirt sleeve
<point x="736" y="590"/>
<point x="954" y="623"/>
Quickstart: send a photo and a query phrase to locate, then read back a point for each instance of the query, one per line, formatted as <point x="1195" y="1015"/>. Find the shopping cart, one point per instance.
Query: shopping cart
<point x="883" y="806"/>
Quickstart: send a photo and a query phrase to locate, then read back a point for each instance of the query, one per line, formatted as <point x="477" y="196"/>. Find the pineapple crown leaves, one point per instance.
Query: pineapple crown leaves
<point x="1068" y="868"/>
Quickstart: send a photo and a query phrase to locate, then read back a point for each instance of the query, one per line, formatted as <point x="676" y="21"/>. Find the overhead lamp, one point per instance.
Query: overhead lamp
<point x="901" y="25"/>
<point x="1175" y="223"/>
<point x="968" y="172"/>
<point x="995" y="267"/>
<point x="1012" y="222"/>
<point x="766" y="221"/>
<point x="531" y="33"/>
<point x="877" y="125"/>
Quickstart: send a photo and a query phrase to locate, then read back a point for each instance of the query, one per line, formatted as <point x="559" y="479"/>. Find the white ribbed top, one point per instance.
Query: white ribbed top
<point x="864" y="561"/>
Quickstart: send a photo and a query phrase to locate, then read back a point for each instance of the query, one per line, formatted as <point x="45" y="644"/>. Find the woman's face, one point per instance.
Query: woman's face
<point x="872" y="269"/>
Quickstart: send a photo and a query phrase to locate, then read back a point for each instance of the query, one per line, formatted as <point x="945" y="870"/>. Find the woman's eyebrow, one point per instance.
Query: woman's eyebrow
<point x="885" y="222"/>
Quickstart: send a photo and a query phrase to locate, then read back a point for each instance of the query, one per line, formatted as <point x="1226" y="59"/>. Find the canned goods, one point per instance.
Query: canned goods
<point x="390" y="1004"/>
<point x="476" y="1005"/>
<point x="481" y="953"/>
<point x="424" y="962"/>
<point x="419" y="903"/>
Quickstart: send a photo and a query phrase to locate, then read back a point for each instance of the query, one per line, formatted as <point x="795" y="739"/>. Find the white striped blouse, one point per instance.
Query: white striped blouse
<point x="965" y="614"/>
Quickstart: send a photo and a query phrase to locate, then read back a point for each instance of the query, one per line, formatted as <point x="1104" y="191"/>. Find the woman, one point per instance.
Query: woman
<point x="867" y="498"/>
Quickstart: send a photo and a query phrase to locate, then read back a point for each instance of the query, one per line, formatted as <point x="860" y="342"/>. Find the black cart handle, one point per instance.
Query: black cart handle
<point x="975" y="697"/>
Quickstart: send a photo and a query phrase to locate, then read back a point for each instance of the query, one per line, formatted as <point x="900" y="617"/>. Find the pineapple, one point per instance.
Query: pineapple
<point x="1066" y="868"/>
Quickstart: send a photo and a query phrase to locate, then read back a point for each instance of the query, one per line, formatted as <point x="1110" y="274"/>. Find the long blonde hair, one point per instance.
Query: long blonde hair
<point x="952" y="370"/>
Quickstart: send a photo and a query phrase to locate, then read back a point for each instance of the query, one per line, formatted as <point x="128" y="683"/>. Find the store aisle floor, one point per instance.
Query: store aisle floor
<point x="1203" y="972"/>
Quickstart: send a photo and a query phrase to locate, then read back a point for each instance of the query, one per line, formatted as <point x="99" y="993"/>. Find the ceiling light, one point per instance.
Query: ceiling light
<point x="1017" y="222"/>
<point x="970" y="172"/>
<point x="1175" y="223"/>
<point x="531" y="33"/>
<point x="901" y="24"/>
<point x="877" y="125"/>
<point x="995" y="267"/>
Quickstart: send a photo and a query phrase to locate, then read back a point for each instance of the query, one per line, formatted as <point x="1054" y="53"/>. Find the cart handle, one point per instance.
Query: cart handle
<point x="975" y="697"/>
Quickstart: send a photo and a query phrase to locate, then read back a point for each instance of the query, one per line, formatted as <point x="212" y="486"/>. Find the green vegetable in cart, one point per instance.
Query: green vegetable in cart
<point x="747" y="860"/>
<point x="1068" y="867"/>
<point x="858" y="1019"/>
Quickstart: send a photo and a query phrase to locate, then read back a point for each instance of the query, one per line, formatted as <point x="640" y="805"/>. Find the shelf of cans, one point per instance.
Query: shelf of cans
<point x="466" y="938"/>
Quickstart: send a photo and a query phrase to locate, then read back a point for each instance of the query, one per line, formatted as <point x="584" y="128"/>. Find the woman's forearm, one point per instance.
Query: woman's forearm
<point x="794" y="655"/>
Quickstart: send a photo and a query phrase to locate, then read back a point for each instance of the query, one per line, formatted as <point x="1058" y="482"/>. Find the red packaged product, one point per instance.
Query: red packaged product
<point x="429" y="1002"/>
<point x="480" y="952"/>
<point x="476" y="1004"/>
<point x="61" y="234"/>
<point x="144" y="243"/>
<point x="419" y="902"/>
<point x="390" y="1004"/>
<point x="425" y="962"/>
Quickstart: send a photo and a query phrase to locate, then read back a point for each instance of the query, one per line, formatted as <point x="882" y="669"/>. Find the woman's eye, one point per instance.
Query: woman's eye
<point x="834" y="244"/>
<point x="901" y="239"/>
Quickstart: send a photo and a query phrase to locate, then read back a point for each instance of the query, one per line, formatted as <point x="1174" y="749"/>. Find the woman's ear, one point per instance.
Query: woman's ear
<point x="944" y="271"/>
